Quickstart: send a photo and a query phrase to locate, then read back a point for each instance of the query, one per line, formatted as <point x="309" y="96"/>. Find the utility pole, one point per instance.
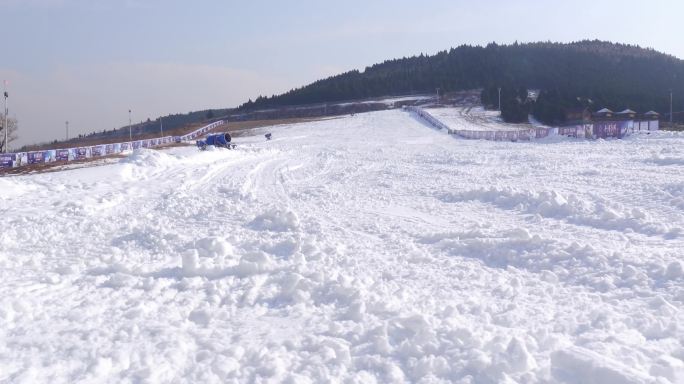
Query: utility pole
<point x="130" y="135"/>
<point x="67" y="130"/>
<point x="670" y="108"/>
<point x="161" y="126"/>
<point x="437" y="94"/>
<point x="499" y="99"/>
<point x="5" y="126"/>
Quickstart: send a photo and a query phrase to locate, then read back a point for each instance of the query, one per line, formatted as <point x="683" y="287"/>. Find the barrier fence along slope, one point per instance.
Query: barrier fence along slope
<point x="523" y="134"/>
<point x="594" y="130"/>
<point x="18" y="159"/>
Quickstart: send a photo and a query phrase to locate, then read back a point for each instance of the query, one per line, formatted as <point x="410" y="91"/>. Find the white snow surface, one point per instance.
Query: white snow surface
<point x="391" y="100"/>
<point x="365" y="249"/>
<point x="473" y="119"/>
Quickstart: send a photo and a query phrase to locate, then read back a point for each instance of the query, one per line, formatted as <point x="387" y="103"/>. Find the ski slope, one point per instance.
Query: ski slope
<point x="364" y="249"/>
<point x="473" y="119"/>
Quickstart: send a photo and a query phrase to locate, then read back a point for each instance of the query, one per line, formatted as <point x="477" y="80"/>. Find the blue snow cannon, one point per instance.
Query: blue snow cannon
<point x="219" y="140"/>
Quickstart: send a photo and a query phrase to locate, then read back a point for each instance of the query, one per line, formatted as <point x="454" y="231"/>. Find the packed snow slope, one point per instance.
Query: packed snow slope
<point x="362" y="249"/>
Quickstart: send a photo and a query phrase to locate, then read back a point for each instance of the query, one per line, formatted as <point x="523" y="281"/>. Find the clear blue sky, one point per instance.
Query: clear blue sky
<point x="89" y="61"/>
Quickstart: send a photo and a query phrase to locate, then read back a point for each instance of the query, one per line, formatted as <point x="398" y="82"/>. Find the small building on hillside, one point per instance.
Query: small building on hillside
<point x="604" y="123"/>
<point x="627" y="114"/>
<point x="604" y="113"/>
<point x="579" y="115"/>
<point x="649" y="121"/>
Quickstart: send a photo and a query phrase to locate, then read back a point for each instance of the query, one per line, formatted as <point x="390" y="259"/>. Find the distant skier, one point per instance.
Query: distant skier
<point x="268" y="136"/>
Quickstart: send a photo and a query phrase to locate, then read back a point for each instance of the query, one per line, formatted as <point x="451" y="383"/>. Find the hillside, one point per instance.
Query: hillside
<point x="587" y="73"/>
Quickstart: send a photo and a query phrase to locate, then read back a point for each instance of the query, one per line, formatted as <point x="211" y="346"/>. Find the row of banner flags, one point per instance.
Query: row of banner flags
<point x="18" y="159"/>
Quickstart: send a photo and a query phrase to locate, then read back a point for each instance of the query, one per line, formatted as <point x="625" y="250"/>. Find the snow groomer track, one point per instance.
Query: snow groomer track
<point x="367" y="249"/>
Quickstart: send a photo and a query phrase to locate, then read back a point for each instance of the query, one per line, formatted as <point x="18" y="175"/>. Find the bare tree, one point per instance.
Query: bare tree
<point x="11" y="133"/>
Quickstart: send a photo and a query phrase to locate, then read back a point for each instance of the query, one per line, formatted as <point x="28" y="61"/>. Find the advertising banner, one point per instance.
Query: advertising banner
<point x="49" y="155"/>
<point x="541" y="132"/>
<point x="7" y="160"/>
<point x="35" y="157"/>
<point x="606" y="129"/>
<point x="62" y="155"/>
<point x="97" y="150"/>
<point x="568" y="131"/>
<point x="80" y="153"/>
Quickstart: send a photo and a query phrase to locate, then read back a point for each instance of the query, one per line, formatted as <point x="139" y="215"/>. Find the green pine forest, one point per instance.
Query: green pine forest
<point x="593" y="74"/>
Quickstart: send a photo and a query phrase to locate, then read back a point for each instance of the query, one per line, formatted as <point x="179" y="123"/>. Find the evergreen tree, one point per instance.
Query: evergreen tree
<point x="616" y="76"/>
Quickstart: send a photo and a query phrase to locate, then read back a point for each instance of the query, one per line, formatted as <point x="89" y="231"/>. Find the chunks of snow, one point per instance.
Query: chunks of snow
<point x="365" y="249"/>
<point x="580" y="365"/>
<point x="276" y="220"/>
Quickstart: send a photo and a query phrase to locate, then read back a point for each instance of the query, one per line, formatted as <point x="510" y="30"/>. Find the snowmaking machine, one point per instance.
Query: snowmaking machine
<point x="218" y="140"/>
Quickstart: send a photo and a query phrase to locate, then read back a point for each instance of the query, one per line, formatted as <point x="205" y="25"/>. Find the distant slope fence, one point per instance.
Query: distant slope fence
<point x="18" y="159"/>
<point x="523" y="134"/>
<point x="594" y="130"/>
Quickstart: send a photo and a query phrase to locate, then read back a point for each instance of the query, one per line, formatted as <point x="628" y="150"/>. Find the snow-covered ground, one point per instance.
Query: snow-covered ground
<point x="391" y="100"/>
<point x="473" y="119"/>
<point x="366" y="249"/>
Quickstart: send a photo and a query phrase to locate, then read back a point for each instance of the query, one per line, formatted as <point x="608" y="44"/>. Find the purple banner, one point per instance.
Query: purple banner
<point x="62" y="155"/>
<point x="97" y="150"/>
<point x="606" y="129"/>
<point x="568" y="131"/>
<point x="80" y="153"/>
<point x="541" y="132"/>
<point x="7" y="160"/>
<point x="36" y="157"/>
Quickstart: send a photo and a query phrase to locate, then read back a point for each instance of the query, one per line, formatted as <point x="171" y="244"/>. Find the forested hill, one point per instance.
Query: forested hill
<point x="595" y="74"/>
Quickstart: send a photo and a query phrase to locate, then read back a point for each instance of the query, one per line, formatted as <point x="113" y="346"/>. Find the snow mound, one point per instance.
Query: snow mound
<point x="13" y="188"/>
<point x="580" y="365"/>
<point x="276" y="220"/>
<point x="148" y="157"/>
<point x="598" y="213"/>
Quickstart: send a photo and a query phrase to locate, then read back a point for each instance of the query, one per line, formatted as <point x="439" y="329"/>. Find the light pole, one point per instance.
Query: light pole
<point x="130" y="134"/>
<point x="670" y="108"/>
<point x="5" y="126"/>
<point x="499" y="99"/>
<point x="67" y="130"/>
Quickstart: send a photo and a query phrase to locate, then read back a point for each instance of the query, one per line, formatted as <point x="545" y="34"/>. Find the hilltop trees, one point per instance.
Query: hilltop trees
<point x="515" y="105"/>
<point x="616" y="76"/>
